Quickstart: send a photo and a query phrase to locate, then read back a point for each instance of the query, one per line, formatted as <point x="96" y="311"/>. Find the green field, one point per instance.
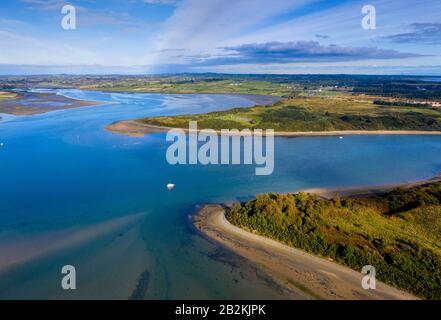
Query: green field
<point x="408" y="87"/>
<point x="321" y="111"/>
<point x="399" y="233"/>
<point x="190" y="86"/>
<point x="7" y="96"/>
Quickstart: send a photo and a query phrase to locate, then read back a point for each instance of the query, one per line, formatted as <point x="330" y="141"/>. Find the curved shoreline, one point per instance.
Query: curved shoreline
<point x="296" y="270"/>
<point x="370" y="190"/>
<point x="135" y="128"/>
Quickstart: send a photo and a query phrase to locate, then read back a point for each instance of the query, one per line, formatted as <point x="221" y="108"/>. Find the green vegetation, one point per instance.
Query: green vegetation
<point x="399" y="232"/>
<point x="183" y="83"/>
<point x="408" y="87"/>
<point x="311" y="102"/>
<point x="7" y="96"/>
<point x="401" y="89"/>
<point x="199" y="86"/>
<point x="321" y="111"/>
<point x="400" y="104"/>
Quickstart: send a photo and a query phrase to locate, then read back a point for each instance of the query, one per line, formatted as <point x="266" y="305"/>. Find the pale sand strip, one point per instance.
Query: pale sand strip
<point x="137" y="129"/>
<point x="133" y="128"/>
<point x="316" y="277"/>
<point x="369" y="190"/>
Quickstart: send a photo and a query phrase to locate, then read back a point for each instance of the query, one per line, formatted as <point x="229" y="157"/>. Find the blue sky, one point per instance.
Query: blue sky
<point x="231" y="36"/>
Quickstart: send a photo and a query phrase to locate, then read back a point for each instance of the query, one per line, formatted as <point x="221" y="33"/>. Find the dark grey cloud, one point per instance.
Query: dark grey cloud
<point x="428" y="33"/>
<point x="301" y="51"/>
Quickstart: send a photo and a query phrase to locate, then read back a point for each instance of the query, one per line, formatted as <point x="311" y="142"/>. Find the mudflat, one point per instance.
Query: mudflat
<point x="29" y="103"/>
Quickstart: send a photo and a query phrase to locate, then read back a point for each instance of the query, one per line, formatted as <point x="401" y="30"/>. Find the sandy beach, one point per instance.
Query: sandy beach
<point x="134" y="128"/>
<point x="369" y="190"/>
<point x="298" y="271"/>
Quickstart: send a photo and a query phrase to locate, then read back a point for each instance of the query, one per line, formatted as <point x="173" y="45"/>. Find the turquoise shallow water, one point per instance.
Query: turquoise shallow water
<point x="69" y="190"/>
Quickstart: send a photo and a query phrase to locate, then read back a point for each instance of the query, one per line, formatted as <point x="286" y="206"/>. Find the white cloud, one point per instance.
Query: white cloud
<point x="163" y="2"/>
<point x="202" y="28"/>
<point x="201" y="25"/>
<point x="46" y="5"/>
<point x="18" y="49"/>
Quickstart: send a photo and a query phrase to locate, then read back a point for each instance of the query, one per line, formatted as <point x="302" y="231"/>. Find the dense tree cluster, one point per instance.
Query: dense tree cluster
<point x="399" y="233"/>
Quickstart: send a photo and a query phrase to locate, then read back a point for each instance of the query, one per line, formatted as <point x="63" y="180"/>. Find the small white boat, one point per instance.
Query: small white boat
<point x="341" y="138"/>
<point x="170" y="186"/>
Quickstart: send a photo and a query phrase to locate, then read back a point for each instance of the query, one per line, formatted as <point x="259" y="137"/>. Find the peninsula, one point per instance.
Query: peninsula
<point x="303" y="115"/>
<point x="319" y="244"/>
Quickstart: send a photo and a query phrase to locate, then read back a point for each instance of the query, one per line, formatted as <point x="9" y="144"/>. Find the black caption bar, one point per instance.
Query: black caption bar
<point x="223" y="309"/>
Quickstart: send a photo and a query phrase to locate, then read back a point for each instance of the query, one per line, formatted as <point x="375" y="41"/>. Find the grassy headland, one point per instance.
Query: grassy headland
<point x="398" y="232"/>
<point x="321" y="112"/>
<point x="7" y="95"/>
<point x="191" y="86"/>
<point x="319" y="103"/>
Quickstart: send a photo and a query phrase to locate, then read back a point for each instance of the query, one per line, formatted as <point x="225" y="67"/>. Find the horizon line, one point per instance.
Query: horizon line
<point x="219" y="74"/>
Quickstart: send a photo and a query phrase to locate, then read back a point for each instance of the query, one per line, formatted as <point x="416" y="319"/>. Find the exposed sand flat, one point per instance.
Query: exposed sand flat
<point x="316" y="277"/>
<point x="370" y="190"/>
<point x="30" y="103"/>
<point x="134" y="128"/>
